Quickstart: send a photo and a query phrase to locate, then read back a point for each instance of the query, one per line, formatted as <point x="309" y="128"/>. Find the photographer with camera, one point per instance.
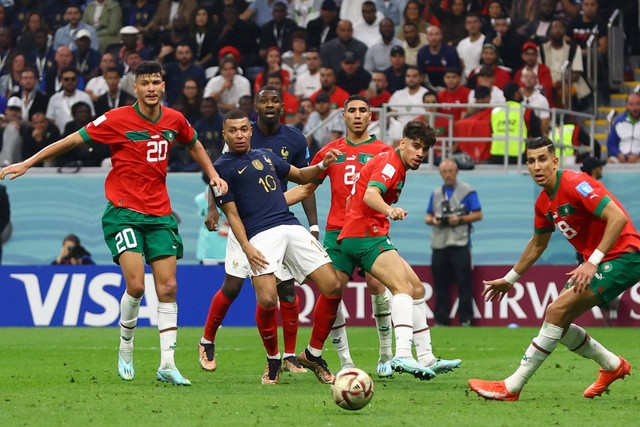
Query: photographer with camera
<point x="453" y="207"/>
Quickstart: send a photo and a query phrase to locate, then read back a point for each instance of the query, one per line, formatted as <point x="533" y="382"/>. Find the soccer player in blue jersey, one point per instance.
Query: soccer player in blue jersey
<point x="273" y="239"/>
<point x="290" y="145"/>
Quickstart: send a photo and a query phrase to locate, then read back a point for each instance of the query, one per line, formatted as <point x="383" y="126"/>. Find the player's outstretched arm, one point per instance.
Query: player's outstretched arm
<point x="308" y="174"/>
<point x="299" y="193"/>
<point x="65" y="144"/>
<point x="373" y="199"/>
<point x="199" y="154"/>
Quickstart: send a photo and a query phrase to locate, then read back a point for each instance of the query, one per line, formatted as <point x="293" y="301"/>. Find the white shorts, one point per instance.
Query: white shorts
<point x="236" y="263"/>
<point x="292" y="248"/>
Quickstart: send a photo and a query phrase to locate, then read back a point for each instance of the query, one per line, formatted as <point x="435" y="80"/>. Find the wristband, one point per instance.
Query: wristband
<point x="315" y="228"/>
<point x="511" y="276"/>
<point x="321" y="165"/>
<point x="596" y="257"/>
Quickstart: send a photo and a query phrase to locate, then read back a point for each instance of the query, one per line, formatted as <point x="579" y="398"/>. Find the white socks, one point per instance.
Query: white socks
<point x="541" y="346"/>
<point x="402" y="318"/>
<point x="129" y="308"/>
<point x="422" y="334"/>
<point x="381" y="305"/>
<point x="168" y="327"/>
<point x="339" y="338"/>
<point x="577" y="340"/>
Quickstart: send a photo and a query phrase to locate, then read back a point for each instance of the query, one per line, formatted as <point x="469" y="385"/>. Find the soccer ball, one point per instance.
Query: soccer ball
<point x="352" y="389"/>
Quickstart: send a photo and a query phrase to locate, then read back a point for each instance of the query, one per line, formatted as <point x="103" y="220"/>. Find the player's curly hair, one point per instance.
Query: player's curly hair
<point x="148" y="67"/>
<point x="540" y="142"/>
<point x="420" y="131"/>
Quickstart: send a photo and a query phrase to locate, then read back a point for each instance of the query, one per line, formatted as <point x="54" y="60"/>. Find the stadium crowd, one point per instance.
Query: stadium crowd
<point x="63" y="62"/>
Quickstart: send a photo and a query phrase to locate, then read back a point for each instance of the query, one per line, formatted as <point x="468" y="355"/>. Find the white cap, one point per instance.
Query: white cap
<point x="129" y="30"/>
<point x="83" y="33"/>
<point x="14" y="102"/>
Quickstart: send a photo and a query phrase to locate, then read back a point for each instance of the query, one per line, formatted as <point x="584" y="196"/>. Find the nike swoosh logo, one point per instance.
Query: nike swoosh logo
<point x="242" y="170"/>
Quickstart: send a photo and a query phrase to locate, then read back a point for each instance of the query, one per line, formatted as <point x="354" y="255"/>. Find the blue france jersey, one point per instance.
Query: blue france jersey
<point x="254" y="180"/>
<point x="288" y="143"/>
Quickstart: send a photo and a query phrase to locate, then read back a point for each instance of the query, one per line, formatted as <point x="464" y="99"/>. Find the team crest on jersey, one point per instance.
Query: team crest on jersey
<point x="268" y="160"/>
<point x="169" y="135"/>
<point x="388" y="171"/>
<point x="284" y="153"/>
<point x="257" y="164"/>
<point x="584" y="188"/>
<point x="566" y="210"/>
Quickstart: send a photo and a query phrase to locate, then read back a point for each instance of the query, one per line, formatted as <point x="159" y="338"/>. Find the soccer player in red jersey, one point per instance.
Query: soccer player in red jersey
<point x="137" y="223"/>
<point x="597" y="225"/>
<point x="357" y="148"/>
<point x="364" y="240"/>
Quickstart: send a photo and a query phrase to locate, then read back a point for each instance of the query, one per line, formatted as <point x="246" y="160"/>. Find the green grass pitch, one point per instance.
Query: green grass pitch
<point x="67" y="377"/>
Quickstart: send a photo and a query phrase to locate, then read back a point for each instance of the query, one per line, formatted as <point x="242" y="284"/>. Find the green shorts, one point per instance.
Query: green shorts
<point x="363" y="251"/>
<point x="338" y="259"/>
<point x="615" y="276"/>
<point x="153" y="236"/>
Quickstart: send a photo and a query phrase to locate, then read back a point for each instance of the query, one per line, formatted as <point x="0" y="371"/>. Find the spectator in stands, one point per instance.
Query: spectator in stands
<point x="53" y="12"/>
<point x="508" y="42"/>
<point x="329" y="131"/>
<point x="532" y="98"/>
<point x="555" y="53"/>
<point x="367" y="27"/>
<point x="5" y="215"/>
<point x="228" y="87"/>
<point x="203" y="37"/>
<point x="396" y="73"/>
<point x="454" y="93"/>
<point x="493" y="11"/>
<point x="290" y="103"/>
<point x="481" y="95"/>
<point x="572" y="134"/>
<point x="114" y="97"/>
<point x="97" y="86"/>
<point x="309" y="82"/>
<point x="295" y="59"/>
<point x="132" y="60"/>
<point x="32" y="100"/>
<point x="412" y="14"/>
<point x="209" y="128"/>
<point x="39" y="54"/>
<point x="539" y="28"/>
<point x="377" y="57"/>
<point x="435" y="57"/>
<point x="452" y="20"/>
<point x="530" y="56"/>
<point x="323" y="28"/>
<point x="69" y="242"/>
<point x="302" y="116"/>
<point x="131" y="42"/>
<point x="377" y="92"/>
<point x="82" y="155"/>
<point x="85" y="59"/>
<point x="6" y="48"/>
<point x="40" y="133"/>
<point x="333" y="50"/>
<point x="408" y="102"/>
<point x="65" y="36"/>
<point x="241" y="35"/>
<point x="138" y="13"/>
<point x="178" y="72"/>
<point x="106" y="17"/>
<point x="489" y="56"/>
<point x="59" y="108"/>
<point x="273" y="65"/>
<point x="217" y="8"/>
<point x="33" y="22"/>
<point x="62" y="59"/>
<point x="439" y="124"/>
<point x="247" y="104"/>
<point x="260" y="11"/>
<point x="487" y="77"/>
<point x="584" y="25"/>
<point x="351" y="76"/>
<point x="10" y="82"/>
<point x="10" y="136"/>
<point x="624" y="140"/>
<point x="413" y="42"/>
<point x="392" y="10"/>
<point x="164" y="18"/>
<point x="169" y="40"/>
<point x="190" y="99"/>
<point x="303" y="11"/>
<point x="277" y="31"/>
<point x="470" y="48"/>
<point x="337" y="95"/>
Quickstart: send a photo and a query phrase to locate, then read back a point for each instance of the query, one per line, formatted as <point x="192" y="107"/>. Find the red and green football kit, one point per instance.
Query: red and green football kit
<point x="575" y="206"/>
<point x="386" y="172"/>
<point x="344" y="172"/>
<point x="139" y="155"/>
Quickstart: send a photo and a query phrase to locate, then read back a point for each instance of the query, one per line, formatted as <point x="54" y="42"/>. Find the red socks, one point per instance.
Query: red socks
<point x="217" y="311"/>
<point x="290" y="323"/>
<point x="268" y="327"/>
<point x="324" y="316"/>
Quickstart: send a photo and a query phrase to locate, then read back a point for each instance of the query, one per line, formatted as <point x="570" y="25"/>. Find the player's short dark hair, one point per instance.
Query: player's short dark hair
<point x="420" y="131"/>
<point x="540" y="142"/>
<point x="234" y="114"/>
<point x="148" y="67"/>
<point x="268" y="88"/>
<point x="357" y="97"/>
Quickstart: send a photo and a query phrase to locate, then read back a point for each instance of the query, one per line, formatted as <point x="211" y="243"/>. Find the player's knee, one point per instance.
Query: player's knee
<point x="287" y="291"/>
<point x="167" y="290"/>
<point x="268" y="302"/>
<point x="231" y="287"/>
<point x="418" y="290"/>
<point x="555" y="313"/>
<point x="332" y="287"/>
<point x="135" y="288"/>
<point x="375" y="287"/>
